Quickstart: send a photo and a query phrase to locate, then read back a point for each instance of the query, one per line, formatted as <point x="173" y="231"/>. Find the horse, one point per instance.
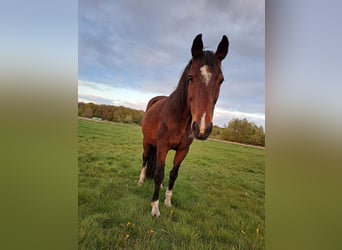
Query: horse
<point x="172" y="123"/>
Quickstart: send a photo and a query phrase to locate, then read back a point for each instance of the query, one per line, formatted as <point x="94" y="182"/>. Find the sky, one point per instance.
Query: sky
<point x="130" y="51"/>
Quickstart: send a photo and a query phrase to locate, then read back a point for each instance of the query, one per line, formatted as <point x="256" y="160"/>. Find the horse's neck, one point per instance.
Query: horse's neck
<point x="179" y="109"/>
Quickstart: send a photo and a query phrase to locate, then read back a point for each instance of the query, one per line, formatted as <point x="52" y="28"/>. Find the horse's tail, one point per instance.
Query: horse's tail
<point x="151" y="162"/>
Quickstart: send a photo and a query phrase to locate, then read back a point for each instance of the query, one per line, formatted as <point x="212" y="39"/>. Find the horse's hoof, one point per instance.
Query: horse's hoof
<point x="155" y="209"/>
<point x="167" y="203"/>
<point x="155" y="214"/>
<point x="140" y="183"/>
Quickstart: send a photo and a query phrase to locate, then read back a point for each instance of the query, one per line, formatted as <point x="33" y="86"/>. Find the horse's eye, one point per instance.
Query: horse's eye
<point x="189" y="78"/>
<point x="221" y="81"/>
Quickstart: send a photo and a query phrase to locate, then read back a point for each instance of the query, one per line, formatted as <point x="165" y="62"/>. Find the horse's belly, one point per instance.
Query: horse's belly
<point x="150" y="127"/>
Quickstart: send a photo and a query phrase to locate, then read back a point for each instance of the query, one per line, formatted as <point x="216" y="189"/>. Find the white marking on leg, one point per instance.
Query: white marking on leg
<point x="202" y="125"/>
<point x="168" y="195"/>
<point x="205" y="74"/>
<point x="142" y="176"/>
<point x="155" y="208"/>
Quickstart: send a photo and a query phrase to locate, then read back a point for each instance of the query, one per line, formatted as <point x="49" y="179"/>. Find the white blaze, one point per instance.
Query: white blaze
<point x="202" y="125"/>
<point x="205" y="74"/>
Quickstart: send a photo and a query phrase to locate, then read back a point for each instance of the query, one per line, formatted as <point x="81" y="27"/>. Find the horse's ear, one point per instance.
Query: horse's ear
<point x="197" y="46"/>
<point x="222" y="48"/>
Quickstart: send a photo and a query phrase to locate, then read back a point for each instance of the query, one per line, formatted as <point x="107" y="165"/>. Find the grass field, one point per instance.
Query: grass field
<point x="218" y="198"/>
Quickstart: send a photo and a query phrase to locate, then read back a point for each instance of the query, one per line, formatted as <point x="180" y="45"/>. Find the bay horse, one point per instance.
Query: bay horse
<point x="173" y="122"/>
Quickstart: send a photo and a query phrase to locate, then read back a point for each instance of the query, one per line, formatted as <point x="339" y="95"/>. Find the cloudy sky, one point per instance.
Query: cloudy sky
<point x="130" y="51"/>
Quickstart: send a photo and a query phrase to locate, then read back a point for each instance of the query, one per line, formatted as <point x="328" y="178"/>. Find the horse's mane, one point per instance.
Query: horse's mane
<point x="180" y="94"/>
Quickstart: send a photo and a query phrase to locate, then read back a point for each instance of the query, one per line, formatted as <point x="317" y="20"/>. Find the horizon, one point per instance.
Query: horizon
<point x="143" y="110"/>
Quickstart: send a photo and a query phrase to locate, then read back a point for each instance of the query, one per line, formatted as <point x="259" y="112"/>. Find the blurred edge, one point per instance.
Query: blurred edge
<point x="38" y="96"/>
<point x="304" y="121"/>
<point x="38" y="130"/>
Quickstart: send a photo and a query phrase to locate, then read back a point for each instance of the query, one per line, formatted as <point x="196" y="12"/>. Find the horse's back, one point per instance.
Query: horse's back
<point x="154" y="100"/>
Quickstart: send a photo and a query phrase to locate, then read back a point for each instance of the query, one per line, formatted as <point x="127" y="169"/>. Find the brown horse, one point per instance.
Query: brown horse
<point x="172" y="122"/>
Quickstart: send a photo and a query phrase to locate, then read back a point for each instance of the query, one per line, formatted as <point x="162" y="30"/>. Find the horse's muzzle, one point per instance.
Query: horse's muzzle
<point x="201" y="134"/>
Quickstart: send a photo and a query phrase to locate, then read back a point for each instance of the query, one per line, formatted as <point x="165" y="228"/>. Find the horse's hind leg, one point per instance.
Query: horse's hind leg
<point x="143" y="168"/>
<point x="179" y="157"/>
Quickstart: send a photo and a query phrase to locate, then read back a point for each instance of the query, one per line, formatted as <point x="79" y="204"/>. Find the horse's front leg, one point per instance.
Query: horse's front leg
<point x="179" y="157"/>
<point x="158" y="179"/>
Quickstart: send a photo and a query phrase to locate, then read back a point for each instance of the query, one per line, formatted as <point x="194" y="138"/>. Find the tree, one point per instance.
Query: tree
<point x="88" y="112"/>
<point x="243" y="131"/>
<point x="110" y="113"/>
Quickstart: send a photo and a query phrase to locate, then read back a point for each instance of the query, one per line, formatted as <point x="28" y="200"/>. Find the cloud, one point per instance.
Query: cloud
<point x="222" y="117"/>
<point x="104" y="94"/>
<point x="146" y="45"/>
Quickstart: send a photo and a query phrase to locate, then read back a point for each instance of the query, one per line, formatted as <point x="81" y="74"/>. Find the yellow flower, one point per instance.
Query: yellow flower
<point x="257" y="231"/>
<point x="151" y="231"/>
<point x="127" y="236"/>
<point x="129" y="223"/>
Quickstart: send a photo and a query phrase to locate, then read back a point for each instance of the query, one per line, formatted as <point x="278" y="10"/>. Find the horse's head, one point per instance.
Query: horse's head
<point x="204" y="80"/>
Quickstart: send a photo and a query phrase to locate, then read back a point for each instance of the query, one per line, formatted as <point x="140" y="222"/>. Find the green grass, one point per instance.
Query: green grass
<point x="218" y="198"/>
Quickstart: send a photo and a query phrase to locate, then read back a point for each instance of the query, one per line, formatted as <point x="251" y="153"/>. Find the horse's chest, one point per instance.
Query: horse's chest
<point x="173" y="135"/>
<point x="180" y="140"/>
<point x="174" y="142"/>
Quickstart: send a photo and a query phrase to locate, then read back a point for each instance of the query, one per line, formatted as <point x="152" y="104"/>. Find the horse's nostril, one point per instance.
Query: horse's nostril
<point x="195" y="127"/>
<point x="209" y="128"/>
<point x="201" y="135"/>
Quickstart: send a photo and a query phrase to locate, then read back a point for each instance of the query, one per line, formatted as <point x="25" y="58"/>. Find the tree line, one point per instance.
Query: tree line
<point x="242" y="131"/>
<point x="110" y="113"/>
<point x="237" y="130"/>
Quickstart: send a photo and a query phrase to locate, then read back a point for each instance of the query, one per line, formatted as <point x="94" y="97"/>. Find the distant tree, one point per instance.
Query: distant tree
<point x="227" y="134"/>
<point x="128" y="119"/>
<point x="243" y="131"/>
<point x="99" y="111"/>
<point x="110" y="113"/>
<point x="80" y="111"/>
<point x="137" y="117"/>
<point x="109" y="116"/>
<point x="216" y="132"/>
<point x="88" y="112"/>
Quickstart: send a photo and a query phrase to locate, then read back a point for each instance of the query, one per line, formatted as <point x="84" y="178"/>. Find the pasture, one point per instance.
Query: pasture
<point x="218" y="198"/>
